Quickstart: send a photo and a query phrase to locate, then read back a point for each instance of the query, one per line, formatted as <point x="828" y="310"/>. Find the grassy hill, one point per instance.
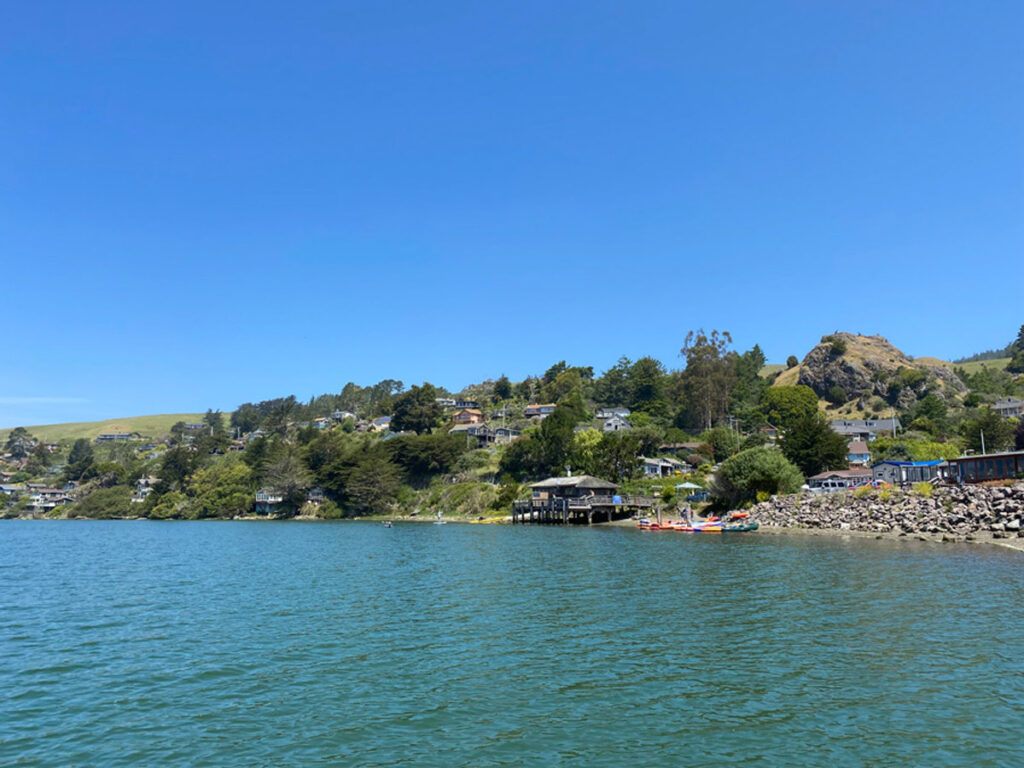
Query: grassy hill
<point x="148" y="426"/>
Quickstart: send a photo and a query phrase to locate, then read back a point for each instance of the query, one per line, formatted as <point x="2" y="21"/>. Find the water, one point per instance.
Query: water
<point x="287" y="644"/>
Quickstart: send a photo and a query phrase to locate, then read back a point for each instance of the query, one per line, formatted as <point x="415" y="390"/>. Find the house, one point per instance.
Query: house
<point x="992" y="466"/>
<point x="342" y="415"/>
<point x="607" y="413"/>
<point x="481" y="432"/>
<point x="52" y="447"/>
<point x="905" y="472"/>
<point x="865" y="429"/>
<point x="539" y="411"/>
<point x="267" y="501"/>
<point x="144" y="487"/>
<point x="315" y="496"/>
<point x="114" y="437"/>
<point x="660" y="467"/>
<point x="12" y="490"/>
<point x="504" y="435"/>
<point x="857" y="453"/>
<point x="197" y="426"/>
<point x="468" y="416"/>
<point x="320" y="423"/>
<point x="840" y="479"/>
<point x="380" y="424"/>
<point x="46" y="499"/>
<point x="1008" y="407"/>
<point x="616" y="424"/>
<point x="770" y="431"/>
<point x="445" y="402"/>
<point x="460" y="403"/>
<point x="256" y="434"/>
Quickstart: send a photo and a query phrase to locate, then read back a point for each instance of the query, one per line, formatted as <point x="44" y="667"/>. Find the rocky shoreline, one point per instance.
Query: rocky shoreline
<point x="947" y="513"/>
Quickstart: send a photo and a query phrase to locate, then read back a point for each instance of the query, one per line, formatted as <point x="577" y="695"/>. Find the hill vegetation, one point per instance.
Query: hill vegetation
<point x="386" y="448"/>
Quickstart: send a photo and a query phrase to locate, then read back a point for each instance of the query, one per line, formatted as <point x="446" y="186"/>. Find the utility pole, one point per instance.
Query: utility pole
<point x="982" y="442"/>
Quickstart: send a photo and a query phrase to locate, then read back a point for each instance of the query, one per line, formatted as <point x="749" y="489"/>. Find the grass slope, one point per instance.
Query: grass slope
<point x="148" y="426"/>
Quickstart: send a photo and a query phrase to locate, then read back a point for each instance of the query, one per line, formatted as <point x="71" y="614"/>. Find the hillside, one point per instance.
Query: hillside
<point x="856" y="372"/>
<point x="148" y="426"/>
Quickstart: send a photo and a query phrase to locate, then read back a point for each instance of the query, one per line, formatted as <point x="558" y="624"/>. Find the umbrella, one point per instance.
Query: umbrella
<point x="687" y="485"/>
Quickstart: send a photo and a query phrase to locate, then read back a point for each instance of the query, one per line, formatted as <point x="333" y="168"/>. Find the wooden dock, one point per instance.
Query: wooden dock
<point x="578" y="511"/>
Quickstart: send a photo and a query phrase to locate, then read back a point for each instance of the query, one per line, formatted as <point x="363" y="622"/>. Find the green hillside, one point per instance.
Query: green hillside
<point x="148" y="426"/>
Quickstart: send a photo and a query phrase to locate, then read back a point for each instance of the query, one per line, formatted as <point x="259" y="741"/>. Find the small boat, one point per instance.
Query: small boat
<point x="387" y="524"/>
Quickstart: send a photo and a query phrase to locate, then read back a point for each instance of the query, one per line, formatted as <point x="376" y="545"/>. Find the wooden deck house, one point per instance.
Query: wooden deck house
<point x="576" y="500"/>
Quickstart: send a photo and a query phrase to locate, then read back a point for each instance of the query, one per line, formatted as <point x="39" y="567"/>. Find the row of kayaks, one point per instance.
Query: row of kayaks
<point x="738" y="522"/>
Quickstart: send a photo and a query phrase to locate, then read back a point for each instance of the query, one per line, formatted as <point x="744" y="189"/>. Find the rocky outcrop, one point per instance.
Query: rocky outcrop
<point x="949" y="511"/>
<point x="864" y="366"/>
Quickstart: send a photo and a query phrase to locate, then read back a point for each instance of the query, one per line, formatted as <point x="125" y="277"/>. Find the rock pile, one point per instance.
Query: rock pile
<point x="949" y="511"/>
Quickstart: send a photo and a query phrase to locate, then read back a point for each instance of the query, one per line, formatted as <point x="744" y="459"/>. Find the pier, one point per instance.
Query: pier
<point x="581" y="500"/>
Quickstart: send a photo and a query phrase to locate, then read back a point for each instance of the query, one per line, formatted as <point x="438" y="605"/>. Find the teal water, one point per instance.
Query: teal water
<point x="288" y="644"/>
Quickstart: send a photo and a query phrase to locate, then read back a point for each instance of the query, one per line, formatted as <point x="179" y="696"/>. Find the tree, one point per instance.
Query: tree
<point x="784" y="406"/>
<point x="792" y="362"/>
<point x="709" y="375"/>
<point x="723" y="441"/>
<point x="80" y="460"/>
<point x="416" y="410"/>
<point x="105" y="503"/>
<point x="38" y="461"/>
<point x="422" y="456"/>
<point x="287" y="474"/>
<point x="246" y="418"/>
<point x="503" y="388"/>
<point x="221" y="490"/>
<point x="617" y="456"/>
<point x="373" y="485"/>
<point x="20" y="443"/>
<point x="214" y="420"/>
<point x="813" y="446"/>
<point x="990" y="428"/>
<point x="1018" y="436"/>
<point x="1016" y="364"/>
<point x="756" y="470"/>
<point x="613" y="386"/>
<point x="644" y="386"/>
<point x="585" y="446"/>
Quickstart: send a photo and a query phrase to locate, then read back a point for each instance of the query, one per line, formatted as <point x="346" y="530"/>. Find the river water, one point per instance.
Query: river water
<point x="292" y="644"/>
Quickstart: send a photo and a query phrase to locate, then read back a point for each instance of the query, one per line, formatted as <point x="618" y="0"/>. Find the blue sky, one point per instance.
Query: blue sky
<point x="208" y="203"/>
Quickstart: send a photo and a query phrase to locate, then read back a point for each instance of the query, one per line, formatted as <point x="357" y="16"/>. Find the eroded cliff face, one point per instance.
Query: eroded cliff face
<point x="865" y="366"/>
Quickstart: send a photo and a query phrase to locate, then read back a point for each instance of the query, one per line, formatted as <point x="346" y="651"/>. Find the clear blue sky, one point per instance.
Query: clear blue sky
<point x="203" y="203"/>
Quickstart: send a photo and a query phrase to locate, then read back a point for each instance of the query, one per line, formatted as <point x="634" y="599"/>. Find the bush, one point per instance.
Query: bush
<point x="838" y="345"/>
<point x="792" y="362"/>
<point x="104" y="503"/>
<point x="742" y="476"/>
<point x="837" y="395"/>
<point x="923" y="489"/>
<point x="862" y="491"/>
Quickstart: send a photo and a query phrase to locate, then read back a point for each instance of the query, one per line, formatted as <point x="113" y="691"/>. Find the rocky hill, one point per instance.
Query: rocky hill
<point x="848" y="368"/>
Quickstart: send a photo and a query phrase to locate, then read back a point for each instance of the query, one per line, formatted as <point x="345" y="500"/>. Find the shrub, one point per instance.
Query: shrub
<point x="838" y="346"/>
<point x="742" y="476"/>
<point x="763" y="496"/>
<point x="862" y="491"/>
<point x="837" y="395"/>
<point x="923" y="489"/>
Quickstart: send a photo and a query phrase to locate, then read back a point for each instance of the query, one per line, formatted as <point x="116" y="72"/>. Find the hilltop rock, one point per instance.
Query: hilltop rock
<point x="865" y="366"/>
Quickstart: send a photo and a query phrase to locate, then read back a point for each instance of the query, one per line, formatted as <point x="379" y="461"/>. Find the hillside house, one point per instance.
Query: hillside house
<point x="866" y="429"/>
<point x="503" y="435"/>
<point x="460" y="403"/>
<point x="380" y="424"/>
<point x="266" y="501"/>
<point x="45" y="499"/>
<point x="839" y="479"/>
<point x="662" y="467"/>
<point x="11" y="490"/>
<point x="607" y="413"/>
<point x="906" y="472"/>
<point x="321" y="423"/>
<point x="115" y="437"/>
<point x="315" y="496"/>
<point x="340" y="415"/>
<point x="539" y="410"/>
<point x="445" y="402"/>
<point x="1009" y="407"/>
<point x="615" y="424"/>
<point x="857" y="453"/>
<point x="480" y="432"/>
<point x="468" y="416"/>
<point x="144" y="487"/>
<point x="675" y="448"/>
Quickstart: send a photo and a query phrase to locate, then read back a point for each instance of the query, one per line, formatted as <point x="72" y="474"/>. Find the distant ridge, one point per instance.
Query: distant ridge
<point x="148" y="426"/>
